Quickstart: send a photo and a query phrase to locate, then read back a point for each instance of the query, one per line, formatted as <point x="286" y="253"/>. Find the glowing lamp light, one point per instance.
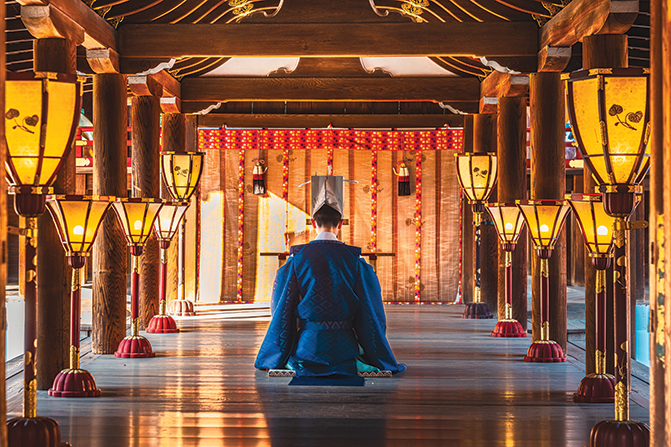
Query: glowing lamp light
<point x="181" y="172"/>
<point x="609" y="114"/>
<point x="545" y="219"/>
<point x="141" y="212"/>
<point x="41" y="116"/>
<point x="508" y="221"/>
<point x="168" y="220"/>
<point x="77" y="219"/>
<point x="477" y="175"/>
<point x="595" y="224"/>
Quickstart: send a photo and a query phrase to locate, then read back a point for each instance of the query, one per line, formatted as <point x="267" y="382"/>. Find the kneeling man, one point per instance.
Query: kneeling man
<point x="328" y="318"/>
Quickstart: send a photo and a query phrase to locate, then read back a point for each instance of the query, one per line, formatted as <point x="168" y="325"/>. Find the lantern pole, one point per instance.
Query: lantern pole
<point x="30" y="312"/>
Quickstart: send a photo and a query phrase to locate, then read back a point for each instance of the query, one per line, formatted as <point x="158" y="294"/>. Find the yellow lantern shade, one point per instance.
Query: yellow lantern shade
<point x="77" y="219"/>
<point x="137" y="218"/>
<point x="596" y="226"/>
<point x="168" y="220"/>
<point x="508" y="221"/>
<point x="545" y="220"/>
<point x="41" y="114"/>
<point x="181" y="172"/>
<point x="609" y="115"/>
<point x="477" y="174"/>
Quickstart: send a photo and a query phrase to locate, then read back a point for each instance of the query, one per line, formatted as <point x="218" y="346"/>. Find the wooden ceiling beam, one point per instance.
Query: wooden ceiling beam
<point x="582" y="18"/>
<point x="515" y="39"/>
<point x="284" y="121"/>
<point x="70" y="19"/>
<point x="500" y="84"/>
<point x="434" y="89"/>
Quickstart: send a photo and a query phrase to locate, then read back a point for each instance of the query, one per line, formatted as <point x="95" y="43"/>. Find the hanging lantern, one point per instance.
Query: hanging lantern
<point x="42" y="113"/>
<point x="137" y="220"/>
<point x="403" y="180"/>
<point x="597" y="230"/>
<point x="609" y="112"/>
<point x="165" y="227"/>
<point x="477" y="174"/>
<point x="508" y="222"/>
<point x="545" y="220"/>
<point x="181" y="172"/>
<point x="77" y="219"/>
<point x="259" y="184"/>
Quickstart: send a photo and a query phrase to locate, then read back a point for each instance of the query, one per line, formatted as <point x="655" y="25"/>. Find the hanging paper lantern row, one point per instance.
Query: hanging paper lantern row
<point x="373" y="201"/>
<point x="442" y="139"/>
<point x="418" y="224"/>
<point x="285" y="194"/>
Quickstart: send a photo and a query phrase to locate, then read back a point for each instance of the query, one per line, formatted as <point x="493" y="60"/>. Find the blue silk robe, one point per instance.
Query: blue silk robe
<point x="326" y="303"/>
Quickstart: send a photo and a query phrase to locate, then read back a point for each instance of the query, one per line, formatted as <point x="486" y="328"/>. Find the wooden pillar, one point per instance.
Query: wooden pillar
<point x="3" y="240"/>
<point x="54" y="273"/>
<point x="109" y="178"/>
<point x="657" y="290"/>
<point x="665" y="83"/>
<point x="600" y="51"/>
<point x="192" y="220"/>
<point x="484" y="140"/>
<point x="512" y="186"/>
<point x="548" y="181"/>
<point x="468" y="231"/>
<point x="145" y="122"/>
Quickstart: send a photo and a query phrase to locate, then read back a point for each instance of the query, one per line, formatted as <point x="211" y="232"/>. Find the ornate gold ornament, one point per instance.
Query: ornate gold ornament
<point x="621" y="402"/>
<point x="74" y="357"/>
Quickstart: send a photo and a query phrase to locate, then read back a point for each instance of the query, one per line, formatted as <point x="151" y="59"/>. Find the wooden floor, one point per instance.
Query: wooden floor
<point x="462" y="387"/>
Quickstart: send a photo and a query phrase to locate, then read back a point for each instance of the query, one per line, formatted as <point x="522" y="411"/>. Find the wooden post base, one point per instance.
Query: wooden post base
<point x="545" y="351"/>
<point x="620" y="434"/>
<point x="162" y="324"/>
<point x="74" y="383"/>
<point x="477" y="311"/>
<point x="134" y="347"/>
<point x="181" y="308"/>
<point x="596" y="389"/>
<point x="509" y="329"/>
<point x="34" y="432"/>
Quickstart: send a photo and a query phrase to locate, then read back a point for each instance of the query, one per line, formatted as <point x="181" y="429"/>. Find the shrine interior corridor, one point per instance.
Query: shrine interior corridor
<point x="462" y="387"/>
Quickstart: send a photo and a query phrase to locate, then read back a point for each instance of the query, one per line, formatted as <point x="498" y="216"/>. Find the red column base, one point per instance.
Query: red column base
<point x="509" y="329"/>
<point x="545" y="352"/>
<point x="74" y="383"/>
<point x="620" y="434"/>
<point x="477" y="311"/>
<point x="162" y="324"/>
<point x="181" y="308"/>
<point x="596" y="389"/>
<point x="134" y="347"/>
<point x="34" y="432"/>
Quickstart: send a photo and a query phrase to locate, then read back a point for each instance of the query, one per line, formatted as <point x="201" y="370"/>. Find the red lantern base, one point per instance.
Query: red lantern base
<point x="134" y="347"/>
<point x="596" y="389"/>
<point x="181" y="308"/>
<point x="545" y="351"/>
<point x="74" y="383"/>
<point x="620" y="434"/>
<point x="509" y="329"/>
<point x="477" y="311"/>
<point x="162" y="324"/>
<point x="34" y="432"/>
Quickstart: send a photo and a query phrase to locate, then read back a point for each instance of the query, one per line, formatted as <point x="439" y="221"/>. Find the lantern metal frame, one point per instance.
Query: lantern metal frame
<point x="477" y="309"/>
<point x="597" y="387"/>
<point x="135" y="345"/>
<point x="544" y="350"/>
<point x="181" y="306"/>
<point x="507" y="326"/>
<point x="619" y="202"/>
<point x="163" y="323"/>
<point x="74" y="381"/>
<point x="30" y="202"/>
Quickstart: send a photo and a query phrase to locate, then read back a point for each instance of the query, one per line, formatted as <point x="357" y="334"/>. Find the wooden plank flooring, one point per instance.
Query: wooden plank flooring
<point x="462" y="387"/>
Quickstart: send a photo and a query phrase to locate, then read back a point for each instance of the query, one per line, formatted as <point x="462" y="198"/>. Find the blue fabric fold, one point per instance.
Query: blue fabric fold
<point x="327" y="313"/>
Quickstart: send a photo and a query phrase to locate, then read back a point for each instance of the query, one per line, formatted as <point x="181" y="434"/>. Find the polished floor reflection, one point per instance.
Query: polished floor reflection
<point x="462" y="387"/>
